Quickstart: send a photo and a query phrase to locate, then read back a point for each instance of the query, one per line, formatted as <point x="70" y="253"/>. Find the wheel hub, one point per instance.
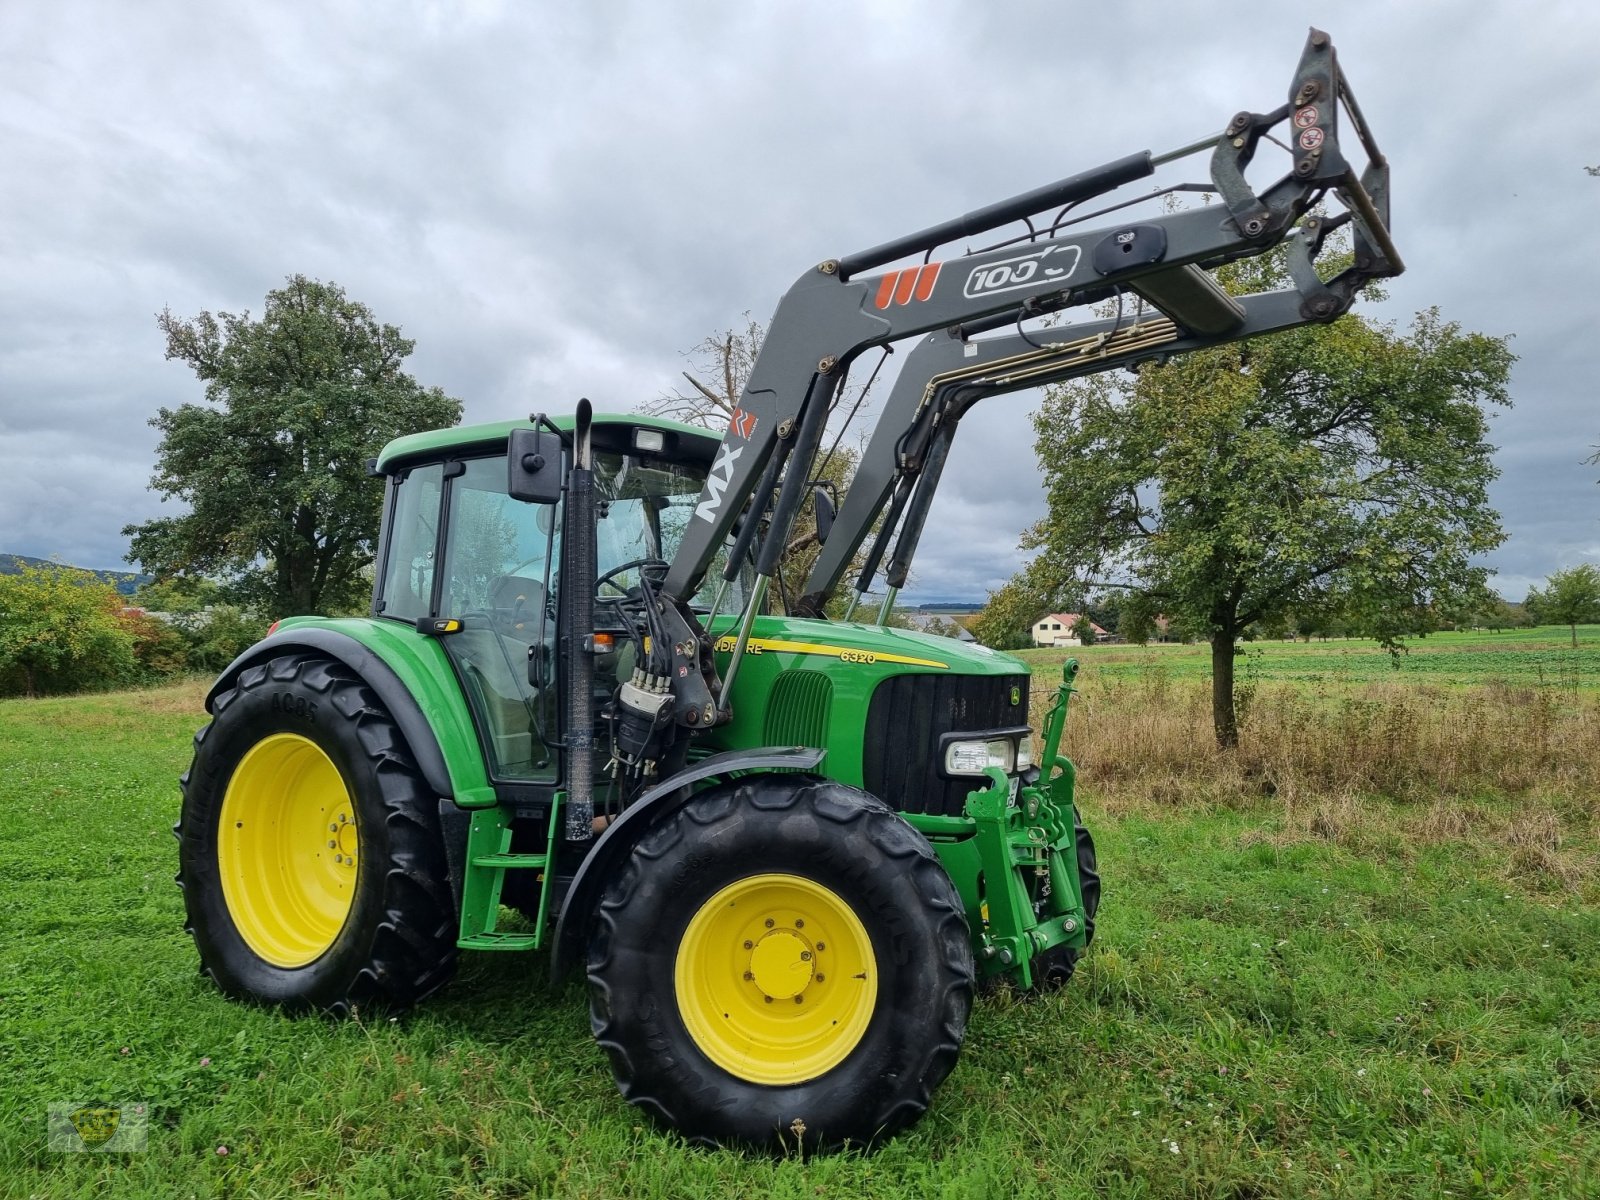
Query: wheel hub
<point x="776" y="979"/>
<point x="781" y="965"/>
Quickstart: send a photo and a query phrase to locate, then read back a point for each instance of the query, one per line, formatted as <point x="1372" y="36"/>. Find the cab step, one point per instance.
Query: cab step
<point x="499" y="941"/>
<point x="511" y="861"/>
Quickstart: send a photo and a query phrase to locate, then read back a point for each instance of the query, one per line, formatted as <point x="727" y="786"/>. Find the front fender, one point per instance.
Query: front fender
<point x="412" y="676"/>
<point x="662" y="800"/>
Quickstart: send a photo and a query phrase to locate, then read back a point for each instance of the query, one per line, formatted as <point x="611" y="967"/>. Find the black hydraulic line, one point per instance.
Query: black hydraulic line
<point x="759" y="500"/>
<point x="869" y="568"/>
<point x="1074" y="188"/>
<point x="813" y="422"/>
<point x="905" y="547"/>
<point x="579" y="589"/>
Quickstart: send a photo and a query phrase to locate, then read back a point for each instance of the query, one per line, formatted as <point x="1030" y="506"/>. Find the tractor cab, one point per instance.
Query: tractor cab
<point x="462" y="558"/>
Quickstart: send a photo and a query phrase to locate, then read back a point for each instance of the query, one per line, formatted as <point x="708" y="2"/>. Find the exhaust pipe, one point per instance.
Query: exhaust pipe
<point x="579" y="586"/>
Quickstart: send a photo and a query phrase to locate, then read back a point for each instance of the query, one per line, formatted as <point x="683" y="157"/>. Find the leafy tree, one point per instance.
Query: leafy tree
<point x="1083" y="630"/>
<point x="1006" y="620"/>
<point x="160" y="648"/>
<point x="273" y="468"/>
<point x="1332" y="468"/>
<point x="179" y="595"/>
<point x="225" y="633"/>
<point x="1570" y="598"/>
<point x="1105" y="610"/>
<point x="60" y="630"/>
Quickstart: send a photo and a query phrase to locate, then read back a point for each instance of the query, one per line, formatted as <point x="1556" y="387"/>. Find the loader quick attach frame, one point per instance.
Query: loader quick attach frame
<point x="840" y="308"/>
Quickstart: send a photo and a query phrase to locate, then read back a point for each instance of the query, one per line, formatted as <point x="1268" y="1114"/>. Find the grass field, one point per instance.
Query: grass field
<point x="1542" y="657"/>
<point x="1301" y="985"/>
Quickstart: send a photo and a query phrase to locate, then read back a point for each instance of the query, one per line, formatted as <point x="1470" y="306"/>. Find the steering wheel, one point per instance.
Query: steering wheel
<point x="610" y="576"/>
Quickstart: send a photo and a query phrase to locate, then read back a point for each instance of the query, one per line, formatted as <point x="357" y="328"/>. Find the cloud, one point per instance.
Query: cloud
<point x="555" y="201"/>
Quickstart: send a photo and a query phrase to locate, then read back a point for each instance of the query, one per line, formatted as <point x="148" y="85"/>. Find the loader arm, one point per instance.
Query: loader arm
<point x="838" y="309"/>
<point x="950" y="371"/>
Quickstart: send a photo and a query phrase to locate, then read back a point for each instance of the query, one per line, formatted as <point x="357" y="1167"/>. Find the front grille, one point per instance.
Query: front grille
<point x="900" y="763"/>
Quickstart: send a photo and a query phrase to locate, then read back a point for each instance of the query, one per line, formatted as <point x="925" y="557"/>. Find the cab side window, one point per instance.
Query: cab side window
<point x="408" y="566"/>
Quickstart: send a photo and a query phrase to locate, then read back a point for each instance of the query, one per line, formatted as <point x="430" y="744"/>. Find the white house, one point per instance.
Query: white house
<point x="1056" y="629"/>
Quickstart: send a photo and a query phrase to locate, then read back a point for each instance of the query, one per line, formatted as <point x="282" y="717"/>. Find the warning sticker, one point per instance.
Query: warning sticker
<point x="1306" y="117"/>
<point x="1311" y="138"/>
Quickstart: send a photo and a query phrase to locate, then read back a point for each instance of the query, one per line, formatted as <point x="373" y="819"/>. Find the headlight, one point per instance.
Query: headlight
<point x="1024" y="752"/>
<point x="976" y="756"/>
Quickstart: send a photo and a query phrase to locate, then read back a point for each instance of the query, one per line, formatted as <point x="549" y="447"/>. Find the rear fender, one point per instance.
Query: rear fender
<point x="659" y="802"/>
<point x="415" y="683"/>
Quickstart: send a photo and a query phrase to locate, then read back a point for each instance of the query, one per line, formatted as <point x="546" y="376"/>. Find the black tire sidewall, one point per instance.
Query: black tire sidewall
<point x="268" y="701"/>
<point x="881" y="869"/>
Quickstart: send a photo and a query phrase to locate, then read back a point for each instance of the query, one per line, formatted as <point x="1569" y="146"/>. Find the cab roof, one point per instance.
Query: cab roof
<point x="433" y="442"/>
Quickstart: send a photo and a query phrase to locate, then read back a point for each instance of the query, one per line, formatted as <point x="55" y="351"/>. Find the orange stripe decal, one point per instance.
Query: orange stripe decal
<point x="908" y="280"/>
<point x="926" y="278"/>
<point x="886" y="289"/>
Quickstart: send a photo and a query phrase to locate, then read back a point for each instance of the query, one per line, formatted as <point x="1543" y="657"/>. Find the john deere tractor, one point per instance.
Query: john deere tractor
<point x="782" y="848"/>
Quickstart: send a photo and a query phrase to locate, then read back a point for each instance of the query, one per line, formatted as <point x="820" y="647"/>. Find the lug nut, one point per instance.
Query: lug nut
<point x="799" y="999"/>
<point x="334" y="828"/>
<point x="770" y="922"/>
<point x="749" y="945"/>
<point x="799" y="924"/>
<point x="822" y="945"/>
<point x="820" y="976"/>
<point x="332" y="844"/>
<point x="768" y="999"/>
<point x="805" y="956"/>
<point x="749" y="976"/>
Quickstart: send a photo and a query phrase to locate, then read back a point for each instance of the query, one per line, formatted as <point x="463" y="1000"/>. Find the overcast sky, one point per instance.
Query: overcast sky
<point x="556" y="200"/>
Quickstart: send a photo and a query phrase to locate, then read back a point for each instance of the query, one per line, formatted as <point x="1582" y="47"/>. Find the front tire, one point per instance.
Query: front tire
<point x="782" y="964"/>
<point x="310" y="857"/>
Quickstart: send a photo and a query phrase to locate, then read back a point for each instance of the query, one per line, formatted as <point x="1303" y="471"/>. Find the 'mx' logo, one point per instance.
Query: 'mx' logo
<point x="717" y="482"/>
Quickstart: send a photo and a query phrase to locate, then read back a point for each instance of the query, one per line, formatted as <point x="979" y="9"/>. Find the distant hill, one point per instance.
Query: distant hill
<point x="126" y="582"/>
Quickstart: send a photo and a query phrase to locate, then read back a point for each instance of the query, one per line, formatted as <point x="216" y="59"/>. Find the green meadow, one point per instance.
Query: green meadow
<point x="1304" y="983"/>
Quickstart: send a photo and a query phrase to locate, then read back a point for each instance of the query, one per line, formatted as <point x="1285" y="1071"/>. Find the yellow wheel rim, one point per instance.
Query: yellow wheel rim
<point x="288" y="849"/>
<point x="776" y="979"/>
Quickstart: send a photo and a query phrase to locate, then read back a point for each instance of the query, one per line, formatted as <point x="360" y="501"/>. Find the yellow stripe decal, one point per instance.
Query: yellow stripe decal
<point x="842" y="653"/>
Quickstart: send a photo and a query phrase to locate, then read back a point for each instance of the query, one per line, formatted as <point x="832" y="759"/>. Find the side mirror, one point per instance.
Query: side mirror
<point x="823" y="504"/>
<point x="533" y="463"/>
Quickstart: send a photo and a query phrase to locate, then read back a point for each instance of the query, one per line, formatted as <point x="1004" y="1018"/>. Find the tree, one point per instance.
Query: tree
<point x="60" y="630"/>
<point x="1333" y="468"/>
<point x="1006" y="619"/>
<point x="726" y="358"/>
<point x="1083" y="630"/>
<point x="274" y="466"/>
<point x="1570" y="598"/>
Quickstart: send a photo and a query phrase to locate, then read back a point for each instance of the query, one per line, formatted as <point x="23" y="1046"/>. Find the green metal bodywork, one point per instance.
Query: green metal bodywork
<point x="999" y="854"/>
<point x="422" y="666"/>
<point x="1012" y="856"/>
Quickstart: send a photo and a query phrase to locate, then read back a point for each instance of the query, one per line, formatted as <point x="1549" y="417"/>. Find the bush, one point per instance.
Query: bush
<point x="219" y="635"/>
<point x="61" y="630"/>
<point x="161" y="650"/>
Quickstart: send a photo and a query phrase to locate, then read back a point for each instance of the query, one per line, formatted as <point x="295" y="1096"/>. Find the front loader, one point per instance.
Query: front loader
<point x="782" y="848"/>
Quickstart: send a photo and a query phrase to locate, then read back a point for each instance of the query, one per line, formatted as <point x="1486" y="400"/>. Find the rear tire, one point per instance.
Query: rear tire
<point x="781" y="964"/>
<point x="310" y="857"/>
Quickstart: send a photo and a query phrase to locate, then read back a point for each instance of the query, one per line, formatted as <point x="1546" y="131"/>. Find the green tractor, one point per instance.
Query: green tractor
<point x="782" y="848"/>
